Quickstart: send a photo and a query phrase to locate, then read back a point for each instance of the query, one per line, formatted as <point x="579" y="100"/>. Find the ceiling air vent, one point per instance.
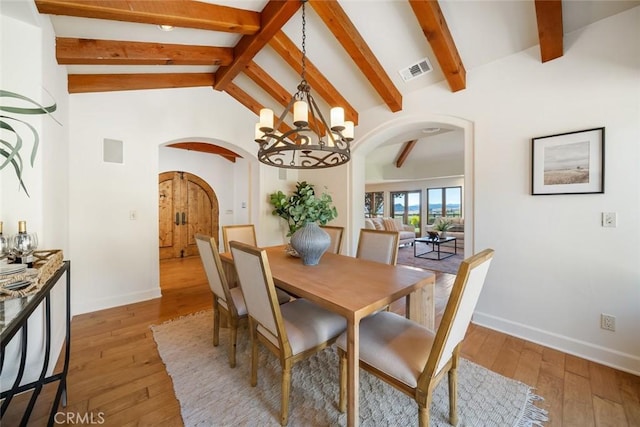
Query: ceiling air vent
<point x="416" y="70"/>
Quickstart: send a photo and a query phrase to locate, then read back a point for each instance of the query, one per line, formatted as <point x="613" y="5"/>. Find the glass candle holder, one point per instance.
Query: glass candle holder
<point x="23" y="244"/>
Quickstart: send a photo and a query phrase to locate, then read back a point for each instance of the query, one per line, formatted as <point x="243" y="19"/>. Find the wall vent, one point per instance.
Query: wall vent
<point x="112" y="151"/>
<point x="416" y="70"/>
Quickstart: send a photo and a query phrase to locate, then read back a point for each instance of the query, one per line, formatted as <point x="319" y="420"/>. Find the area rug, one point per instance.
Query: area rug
<point x="212" y="394"/>
<point x="448" y="265"/>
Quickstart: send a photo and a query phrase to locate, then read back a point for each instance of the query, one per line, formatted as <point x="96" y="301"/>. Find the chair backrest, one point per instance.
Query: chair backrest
<point x="336" y="237"/>
<point x="378" y="245"/>
<point x="259" y="291"/>
<point x="245" y="233"/>
<point x="213" y="268"/>
<point x="457" y="314"/>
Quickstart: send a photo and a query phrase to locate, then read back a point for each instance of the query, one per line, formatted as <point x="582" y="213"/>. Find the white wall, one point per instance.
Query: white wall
<point x="45" y="209"/>
<point x="116" y="259"/>
<point x="556" y="269"/>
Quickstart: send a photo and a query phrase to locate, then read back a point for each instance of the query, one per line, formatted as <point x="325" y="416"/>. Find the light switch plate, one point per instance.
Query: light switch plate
<point x="609" y="219"/>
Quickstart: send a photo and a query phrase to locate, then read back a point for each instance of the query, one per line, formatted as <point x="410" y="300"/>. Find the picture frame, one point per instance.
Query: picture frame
<point x="568" y="163"/>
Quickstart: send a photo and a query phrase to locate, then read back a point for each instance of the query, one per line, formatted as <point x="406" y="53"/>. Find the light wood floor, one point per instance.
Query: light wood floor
<point x="117" y="375"/>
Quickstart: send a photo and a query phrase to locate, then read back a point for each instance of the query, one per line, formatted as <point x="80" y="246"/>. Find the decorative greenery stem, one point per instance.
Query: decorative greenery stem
<point x="302" y="206"/>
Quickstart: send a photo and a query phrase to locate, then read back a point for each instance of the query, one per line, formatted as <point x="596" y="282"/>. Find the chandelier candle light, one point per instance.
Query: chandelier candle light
<point x="312" y="144"/>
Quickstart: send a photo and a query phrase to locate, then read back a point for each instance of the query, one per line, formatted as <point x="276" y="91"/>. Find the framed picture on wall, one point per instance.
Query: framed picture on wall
<point x="568" y="163"/>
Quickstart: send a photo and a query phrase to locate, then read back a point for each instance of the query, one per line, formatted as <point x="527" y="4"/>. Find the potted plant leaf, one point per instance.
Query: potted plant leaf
<point x="12" y="141"/>
<point x="442" y="225"/>
<point x="304" y="212"/>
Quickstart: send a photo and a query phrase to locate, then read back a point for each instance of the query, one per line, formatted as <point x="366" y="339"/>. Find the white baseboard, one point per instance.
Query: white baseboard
<point x="81" y="307"/>
<point x="595" y="353"/>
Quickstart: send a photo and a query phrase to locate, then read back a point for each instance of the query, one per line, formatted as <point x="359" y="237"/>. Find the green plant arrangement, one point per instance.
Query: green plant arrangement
<point x="11" y="141"/>
<point x="442" y="225"/>
<point x="302" y="206"/>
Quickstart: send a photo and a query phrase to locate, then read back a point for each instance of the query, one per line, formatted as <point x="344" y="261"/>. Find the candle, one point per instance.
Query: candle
<point x="348" y="130"/>
<point x="266" y="120"/>
<point x="337" y="118"/>
<point x="300" y="114"/>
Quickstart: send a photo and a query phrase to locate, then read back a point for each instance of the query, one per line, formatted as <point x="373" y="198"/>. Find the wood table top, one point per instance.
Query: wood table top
<point x="346" y="285"/>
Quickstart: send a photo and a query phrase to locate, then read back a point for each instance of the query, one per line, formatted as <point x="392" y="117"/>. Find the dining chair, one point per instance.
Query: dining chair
<point x="336" y="234"/>
<point x="412" y="358"/>
<point x="291" y="331"/>
<point x="228" y="300"/>
<point x="245" y="233"/>
<point x="378" y="245"/>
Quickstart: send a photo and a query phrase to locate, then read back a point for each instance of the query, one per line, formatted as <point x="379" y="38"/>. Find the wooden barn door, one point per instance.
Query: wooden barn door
<point x="187" y="205"/>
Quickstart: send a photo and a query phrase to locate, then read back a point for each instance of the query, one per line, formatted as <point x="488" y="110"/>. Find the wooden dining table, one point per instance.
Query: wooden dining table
<point x="353" y="288"/>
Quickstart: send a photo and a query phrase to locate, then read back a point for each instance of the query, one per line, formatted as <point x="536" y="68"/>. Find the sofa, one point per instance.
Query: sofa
<point x="456" y="230"/>
<point x="407" y="232"/>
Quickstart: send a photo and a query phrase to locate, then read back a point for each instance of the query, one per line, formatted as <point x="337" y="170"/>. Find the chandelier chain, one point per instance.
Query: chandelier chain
<point x="303" y="74"/>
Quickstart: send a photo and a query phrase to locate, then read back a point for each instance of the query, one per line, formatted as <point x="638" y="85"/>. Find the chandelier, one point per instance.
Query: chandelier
<point x="311" y="144"/>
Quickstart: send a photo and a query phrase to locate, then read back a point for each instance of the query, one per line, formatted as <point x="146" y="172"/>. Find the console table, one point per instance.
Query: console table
<point x="14" y="322"/>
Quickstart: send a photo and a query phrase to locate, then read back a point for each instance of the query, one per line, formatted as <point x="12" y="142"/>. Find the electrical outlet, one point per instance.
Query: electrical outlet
<point x="609" y="219"/>
<point x="608" y="322"/>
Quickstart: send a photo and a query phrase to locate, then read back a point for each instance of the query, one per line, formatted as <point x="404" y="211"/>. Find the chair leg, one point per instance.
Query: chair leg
<point x="216" y="322"/>
<point x="453" y="391"/>
<point x="233" y="338"/>
<point x="424" y="407"/>
<point x="342" y="403"/>
<point x="286" y="388"/>
<point x="423" y="416"/>
<point x="254" y="353"/>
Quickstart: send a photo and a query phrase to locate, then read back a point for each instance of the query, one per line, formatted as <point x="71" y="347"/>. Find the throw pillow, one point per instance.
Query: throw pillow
<point x="377" y="223"/>
<point x="390" y="224"/>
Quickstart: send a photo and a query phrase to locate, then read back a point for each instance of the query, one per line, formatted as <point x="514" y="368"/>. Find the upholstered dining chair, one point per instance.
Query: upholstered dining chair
<point x="292" y="331"/>
<point x="378" y="245"/>
<point x="336" y="237"/>
<point x="412" y="358"/>
<point x="228" y="300"/>
<point x="245" y="233"/>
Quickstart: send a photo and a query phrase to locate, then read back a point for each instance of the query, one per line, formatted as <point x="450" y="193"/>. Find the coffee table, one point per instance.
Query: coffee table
<point x="438" y="254"/>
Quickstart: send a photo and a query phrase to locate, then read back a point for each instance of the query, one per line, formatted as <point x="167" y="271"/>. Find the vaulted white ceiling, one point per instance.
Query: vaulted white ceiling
<point x="480" y="31"/>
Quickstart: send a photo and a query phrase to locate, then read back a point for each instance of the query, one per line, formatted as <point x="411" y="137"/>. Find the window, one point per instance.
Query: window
<point x="373" y="204"/>
<point x="407" y="206"/>
<point x="443" y="201"/>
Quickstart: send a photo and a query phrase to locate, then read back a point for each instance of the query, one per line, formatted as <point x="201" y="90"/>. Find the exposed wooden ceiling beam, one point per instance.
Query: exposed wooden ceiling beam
<point x="274" y="15"/>
<point x="179" y="13"/>
<point x="550" y="30"/>
<point x="406" y="149"/>
<point x="267" y="83"/>
<point x="248" y="101"/>
<point x="114" y="52"/>
<point x="207" y="148"/>
<point x="435" y="28"/>
<point x="82" y="83"/>
<point x="318" y="82"/>
<point x="337" y="21"/>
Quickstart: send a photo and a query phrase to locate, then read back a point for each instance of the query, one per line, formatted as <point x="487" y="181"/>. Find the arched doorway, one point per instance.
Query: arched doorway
<point x="187" y="205"/>
<point x="410" y="127"/>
